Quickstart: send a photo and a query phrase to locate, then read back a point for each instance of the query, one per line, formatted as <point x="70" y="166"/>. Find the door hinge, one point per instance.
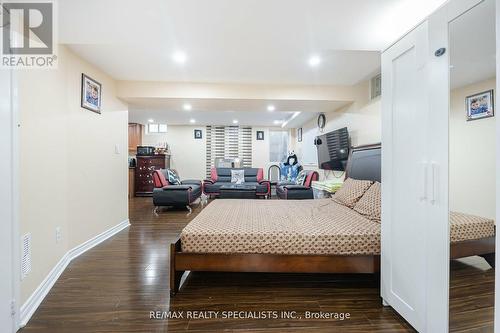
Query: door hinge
<point x="13" y="308"/>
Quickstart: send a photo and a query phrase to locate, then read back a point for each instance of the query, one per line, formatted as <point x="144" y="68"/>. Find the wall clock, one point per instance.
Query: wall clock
<point x="321" y="121"/>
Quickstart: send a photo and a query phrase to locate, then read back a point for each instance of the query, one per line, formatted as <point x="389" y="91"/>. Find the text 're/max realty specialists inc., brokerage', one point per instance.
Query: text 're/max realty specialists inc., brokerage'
<point x="199" y="314"/>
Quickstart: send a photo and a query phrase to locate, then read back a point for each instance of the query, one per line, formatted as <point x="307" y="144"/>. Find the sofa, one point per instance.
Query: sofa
<point x="170" y="195"/>
<point x="292" y="190"/>
<point x="222" y="176"/>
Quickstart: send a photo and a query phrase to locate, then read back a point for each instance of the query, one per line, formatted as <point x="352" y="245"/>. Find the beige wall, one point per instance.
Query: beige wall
<point x="188" y="154"/>
<point x="362" y="118"/>
<point x="261" y="148"/>
<point x="70" y="175"/>
<point x="472" y="156"/>
<point x="140" y="90"/>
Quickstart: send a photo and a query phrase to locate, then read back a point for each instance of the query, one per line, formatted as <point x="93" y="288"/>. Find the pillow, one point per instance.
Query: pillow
<point x="370" y="203"/>
<point x="237" y="176"/>
<point x="301" y="178"/>
<point x="173" y="178"/>
<point x="351" y="191"/>
<point x="159" y="179"/>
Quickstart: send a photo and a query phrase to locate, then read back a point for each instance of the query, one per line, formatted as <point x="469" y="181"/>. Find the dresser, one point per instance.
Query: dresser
<point x="144" y="173"/>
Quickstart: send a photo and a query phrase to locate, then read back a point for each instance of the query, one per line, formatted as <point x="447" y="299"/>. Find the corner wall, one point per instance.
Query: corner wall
<point x="188" y="154"/>
<point x="70" y="175"/>
<point x="362" y="118"/>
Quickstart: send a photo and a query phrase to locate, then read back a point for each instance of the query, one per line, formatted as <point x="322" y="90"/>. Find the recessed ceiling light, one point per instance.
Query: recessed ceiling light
<point x="179" y="57"/>
<point x="192" y="121"/>
<point x="271" y="108"/>
<point x="277" y="122"/>
<point x="235" y="121"/>
<point x="314" y="61"/>
<point x="151" y="120"/>
<point x="187" y="106"/>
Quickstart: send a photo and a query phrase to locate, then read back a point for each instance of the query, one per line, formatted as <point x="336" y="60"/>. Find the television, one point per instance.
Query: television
<point x="333" y="149"/>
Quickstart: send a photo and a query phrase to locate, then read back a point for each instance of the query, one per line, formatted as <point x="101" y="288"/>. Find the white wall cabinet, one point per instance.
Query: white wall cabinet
<point x="406" y="187"/>
<point x="415" y="214"/>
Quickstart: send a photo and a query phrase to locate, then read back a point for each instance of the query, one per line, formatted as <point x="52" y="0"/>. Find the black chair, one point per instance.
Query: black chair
<point x="290" y="190"/>
<point x="169" y="195"/>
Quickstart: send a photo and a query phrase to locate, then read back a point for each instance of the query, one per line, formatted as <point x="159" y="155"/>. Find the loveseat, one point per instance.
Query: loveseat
<point x="222" y="176"/>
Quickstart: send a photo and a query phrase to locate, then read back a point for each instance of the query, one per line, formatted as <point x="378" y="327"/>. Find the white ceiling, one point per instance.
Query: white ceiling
<point x="473" y="46"/>
<point x="244" y="41"/>
<point x="224" y="111"/>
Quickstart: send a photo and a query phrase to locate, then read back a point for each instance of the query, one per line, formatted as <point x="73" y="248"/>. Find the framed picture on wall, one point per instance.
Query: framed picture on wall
<point x="480" y="105"/>
<point x="260" y="135"/>
<point x="198" y="134"/>
<point x="91" y="94"/>
<point x="299" y="134"/>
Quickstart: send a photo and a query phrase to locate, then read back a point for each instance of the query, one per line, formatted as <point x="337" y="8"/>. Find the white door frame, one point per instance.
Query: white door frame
<point x="439" y="87"/>
<point x="497" y="199"/>
<point x="9" y="214"/>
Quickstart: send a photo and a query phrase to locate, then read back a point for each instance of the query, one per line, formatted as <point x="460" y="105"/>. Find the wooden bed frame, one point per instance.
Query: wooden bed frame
<point x="483" y="247"/>
<point x="275" y="263"/>
<point x="269" y="263"/>
<point x="181" y="262"/>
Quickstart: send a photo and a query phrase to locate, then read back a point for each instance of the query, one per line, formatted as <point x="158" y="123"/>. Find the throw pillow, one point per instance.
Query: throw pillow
<point x="370" y="203"/>
<point x="301" y="178"/>
<point x="173" y="177"/>
<point x="237" y="176"/>
<point x="351" y="191"/>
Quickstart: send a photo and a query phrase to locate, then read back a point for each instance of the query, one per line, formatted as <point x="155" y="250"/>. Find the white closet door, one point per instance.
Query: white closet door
<point x="405" y="112"/>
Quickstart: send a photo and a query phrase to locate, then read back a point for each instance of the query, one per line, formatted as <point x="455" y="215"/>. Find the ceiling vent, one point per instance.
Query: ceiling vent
<point x="26" y="256"/>
<point x="376" y="86"/>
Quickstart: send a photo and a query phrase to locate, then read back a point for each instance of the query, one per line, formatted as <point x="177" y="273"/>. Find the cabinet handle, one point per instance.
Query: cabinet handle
<point x="423" y="181"/>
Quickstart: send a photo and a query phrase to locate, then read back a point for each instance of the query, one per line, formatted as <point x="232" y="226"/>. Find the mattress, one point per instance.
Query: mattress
<point x="300" y="227"/>
<point x="468" y="227"/>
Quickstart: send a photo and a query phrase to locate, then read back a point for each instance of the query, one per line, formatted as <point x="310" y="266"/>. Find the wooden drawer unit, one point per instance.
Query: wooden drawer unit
<point x="144" y="173"/>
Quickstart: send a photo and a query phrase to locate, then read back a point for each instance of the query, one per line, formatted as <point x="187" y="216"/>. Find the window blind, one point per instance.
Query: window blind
<point x="228" y="142"/>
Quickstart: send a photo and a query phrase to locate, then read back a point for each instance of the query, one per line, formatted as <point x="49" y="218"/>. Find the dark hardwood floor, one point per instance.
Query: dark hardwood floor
<point x="114" y="287"/>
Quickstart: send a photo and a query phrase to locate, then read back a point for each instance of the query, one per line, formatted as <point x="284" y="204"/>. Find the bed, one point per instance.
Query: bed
<point x="298" y="236"/>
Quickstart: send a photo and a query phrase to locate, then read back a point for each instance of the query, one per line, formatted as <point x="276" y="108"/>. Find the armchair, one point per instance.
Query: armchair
<point x="166" y="194"/>
<point x="291" y="190"/>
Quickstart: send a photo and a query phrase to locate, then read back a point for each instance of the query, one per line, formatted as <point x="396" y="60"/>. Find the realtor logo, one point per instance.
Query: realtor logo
<point x="28" y="34"/>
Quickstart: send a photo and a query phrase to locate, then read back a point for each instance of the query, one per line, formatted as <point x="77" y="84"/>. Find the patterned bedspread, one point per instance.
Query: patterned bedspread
<point x="302" y="227"/>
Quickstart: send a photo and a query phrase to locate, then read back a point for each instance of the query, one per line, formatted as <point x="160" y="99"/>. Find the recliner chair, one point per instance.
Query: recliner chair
<point x="291" y="190"/>
<point x="169" y="195"/>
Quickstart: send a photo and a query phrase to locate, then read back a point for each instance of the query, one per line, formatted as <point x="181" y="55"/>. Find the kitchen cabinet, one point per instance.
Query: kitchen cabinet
<point x="131" y="182"/>
<point x="134" y="136"/>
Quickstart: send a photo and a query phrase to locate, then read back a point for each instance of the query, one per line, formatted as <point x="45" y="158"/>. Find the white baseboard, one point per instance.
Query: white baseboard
<point x="30" y="306"/>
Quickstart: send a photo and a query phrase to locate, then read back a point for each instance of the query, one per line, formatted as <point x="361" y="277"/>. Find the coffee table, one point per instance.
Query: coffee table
<point x="238" y="191"/>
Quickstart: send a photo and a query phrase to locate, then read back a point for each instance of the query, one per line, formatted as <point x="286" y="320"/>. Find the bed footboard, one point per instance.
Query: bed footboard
<point x="483" y="247"/>
<point x="175" y="275"/>
<point x="265" y="263"/>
